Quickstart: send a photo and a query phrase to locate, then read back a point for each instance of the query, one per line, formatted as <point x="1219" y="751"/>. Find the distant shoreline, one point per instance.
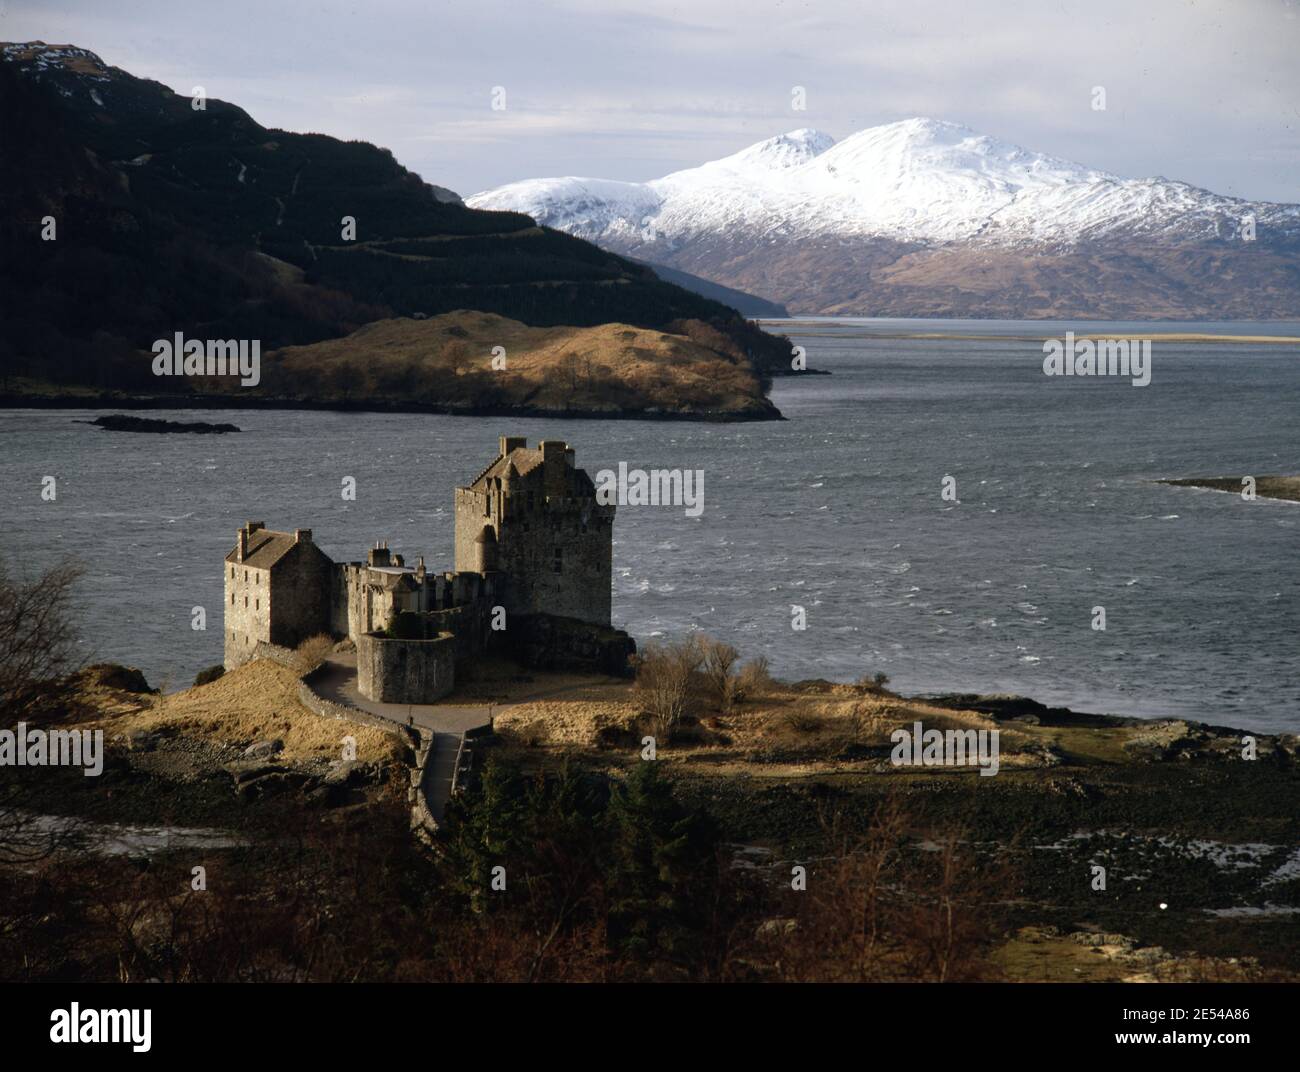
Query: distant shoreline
<point x="227" y="402"/>
<point x="1167" y="336"/>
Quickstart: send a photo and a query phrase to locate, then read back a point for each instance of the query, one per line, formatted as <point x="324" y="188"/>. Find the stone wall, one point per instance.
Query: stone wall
<point x="247" y="612"/>
<point x="283" y="656"/>
<point x="549" y="642"/>
<point x="318" y="704"/>
<point x="416" y="740"/>
<point x="405" y="671"/>
<point x="300" y="594"/>
<point x="563" y="562"/>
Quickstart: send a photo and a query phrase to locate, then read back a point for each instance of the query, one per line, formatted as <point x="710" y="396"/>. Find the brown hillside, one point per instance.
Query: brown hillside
<point x="447" y="362"/>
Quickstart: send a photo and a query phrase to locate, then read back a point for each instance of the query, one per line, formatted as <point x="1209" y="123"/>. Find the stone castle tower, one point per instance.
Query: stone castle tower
<point x="532" y="515"/>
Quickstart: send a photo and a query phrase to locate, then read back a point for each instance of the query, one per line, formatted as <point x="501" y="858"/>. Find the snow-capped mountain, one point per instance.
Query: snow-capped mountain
<point x="908" y="192"/>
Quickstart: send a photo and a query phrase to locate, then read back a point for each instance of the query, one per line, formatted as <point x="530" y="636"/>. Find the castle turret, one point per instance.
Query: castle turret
<point x="485" y="551"/>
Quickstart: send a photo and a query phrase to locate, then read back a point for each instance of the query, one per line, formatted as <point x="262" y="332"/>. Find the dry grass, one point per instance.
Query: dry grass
<point x="789" y="729"/>
<point x="256" y="702"/>
<point x="574" y="717"/>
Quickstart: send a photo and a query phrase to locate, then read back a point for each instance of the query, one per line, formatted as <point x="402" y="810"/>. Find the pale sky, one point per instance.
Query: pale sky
<point x="1205" y="91"/>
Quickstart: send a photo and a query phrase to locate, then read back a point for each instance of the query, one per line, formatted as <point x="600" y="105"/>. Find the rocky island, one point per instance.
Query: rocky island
<point x="121" y="422"/>
<point x="1266" y="487"/>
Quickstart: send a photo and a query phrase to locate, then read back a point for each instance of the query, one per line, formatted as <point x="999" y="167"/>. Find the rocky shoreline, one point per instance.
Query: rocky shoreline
<point x="1284" y="488"/>
<point x="112" y="400"/>
<point x="1164" y="739"/>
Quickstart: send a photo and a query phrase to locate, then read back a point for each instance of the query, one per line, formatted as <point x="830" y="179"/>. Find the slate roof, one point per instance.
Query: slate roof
<point x="265" y="548"/>
<point x="525" y="460"/>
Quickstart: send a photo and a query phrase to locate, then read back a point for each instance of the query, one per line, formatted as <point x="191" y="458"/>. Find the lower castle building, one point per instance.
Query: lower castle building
<point x="532" y="580"/>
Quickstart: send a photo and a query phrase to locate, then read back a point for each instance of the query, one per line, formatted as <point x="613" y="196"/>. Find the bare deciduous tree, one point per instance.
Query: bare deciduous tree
<point x="664" y="675"/>
<point x="718" y="664"/>
<point x="38" y="639"/>
<point x="754" y="679"/>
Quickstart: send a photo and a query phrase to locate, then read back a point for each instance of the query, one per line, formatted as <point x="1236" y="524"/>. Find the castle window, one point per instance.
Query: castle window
<point x="232" y="599"/>
<point x="245" y="575"/>
<point x="245" y="602"/>
<point x="257" y="604"/>
<point x="232" y="573"/>
<point x="559" y="561"/>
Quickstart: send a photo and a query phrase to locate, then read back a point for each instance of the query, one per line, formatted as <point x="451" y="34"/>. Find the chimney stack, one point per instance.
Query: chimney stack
<point x="555" y="468"/>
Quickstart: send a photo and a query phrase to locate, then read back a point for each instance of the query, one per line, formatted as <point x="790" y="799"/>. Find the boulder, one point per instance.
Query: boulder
<point x="243" y="772"/>
<point x="115" y="676"/>
<point x="264" y="749"/>
<point x="327" y="796"/>
<point x="141" y="741"/>
<point x="273" y="783"/>
<point x="349" y="773"/>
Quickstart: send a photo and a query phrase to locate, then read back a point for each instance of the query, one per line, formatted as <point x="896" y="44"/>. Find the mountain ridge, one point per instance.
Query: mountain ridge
<point x="926" y="190"/>
<point x="168" y="217"/>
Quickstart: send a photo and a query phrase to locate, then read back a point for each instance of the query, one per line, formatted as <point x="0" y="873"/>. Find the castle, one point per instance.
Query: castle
<point x="532" y="580"/>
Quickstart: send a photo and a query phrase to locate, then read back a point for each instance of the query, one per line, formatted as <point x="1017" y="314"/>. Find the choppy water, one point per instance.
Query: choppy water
<point x="837" y="510"/>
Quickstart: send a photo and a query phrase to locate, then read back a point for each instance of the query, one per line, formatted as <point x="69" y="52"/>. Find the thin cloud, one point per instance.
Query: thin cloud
<point x="1202" y="92"/>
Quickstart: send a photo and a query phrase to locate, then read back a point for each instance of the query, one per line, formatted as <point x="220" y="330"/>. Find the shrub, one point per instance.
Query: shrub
<point x="863" y="722"/>
<point x="312" y="652"/>
<point x="873" y="683"/>
<point x="208" y="675"/>
<point x="804" y="722"/>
